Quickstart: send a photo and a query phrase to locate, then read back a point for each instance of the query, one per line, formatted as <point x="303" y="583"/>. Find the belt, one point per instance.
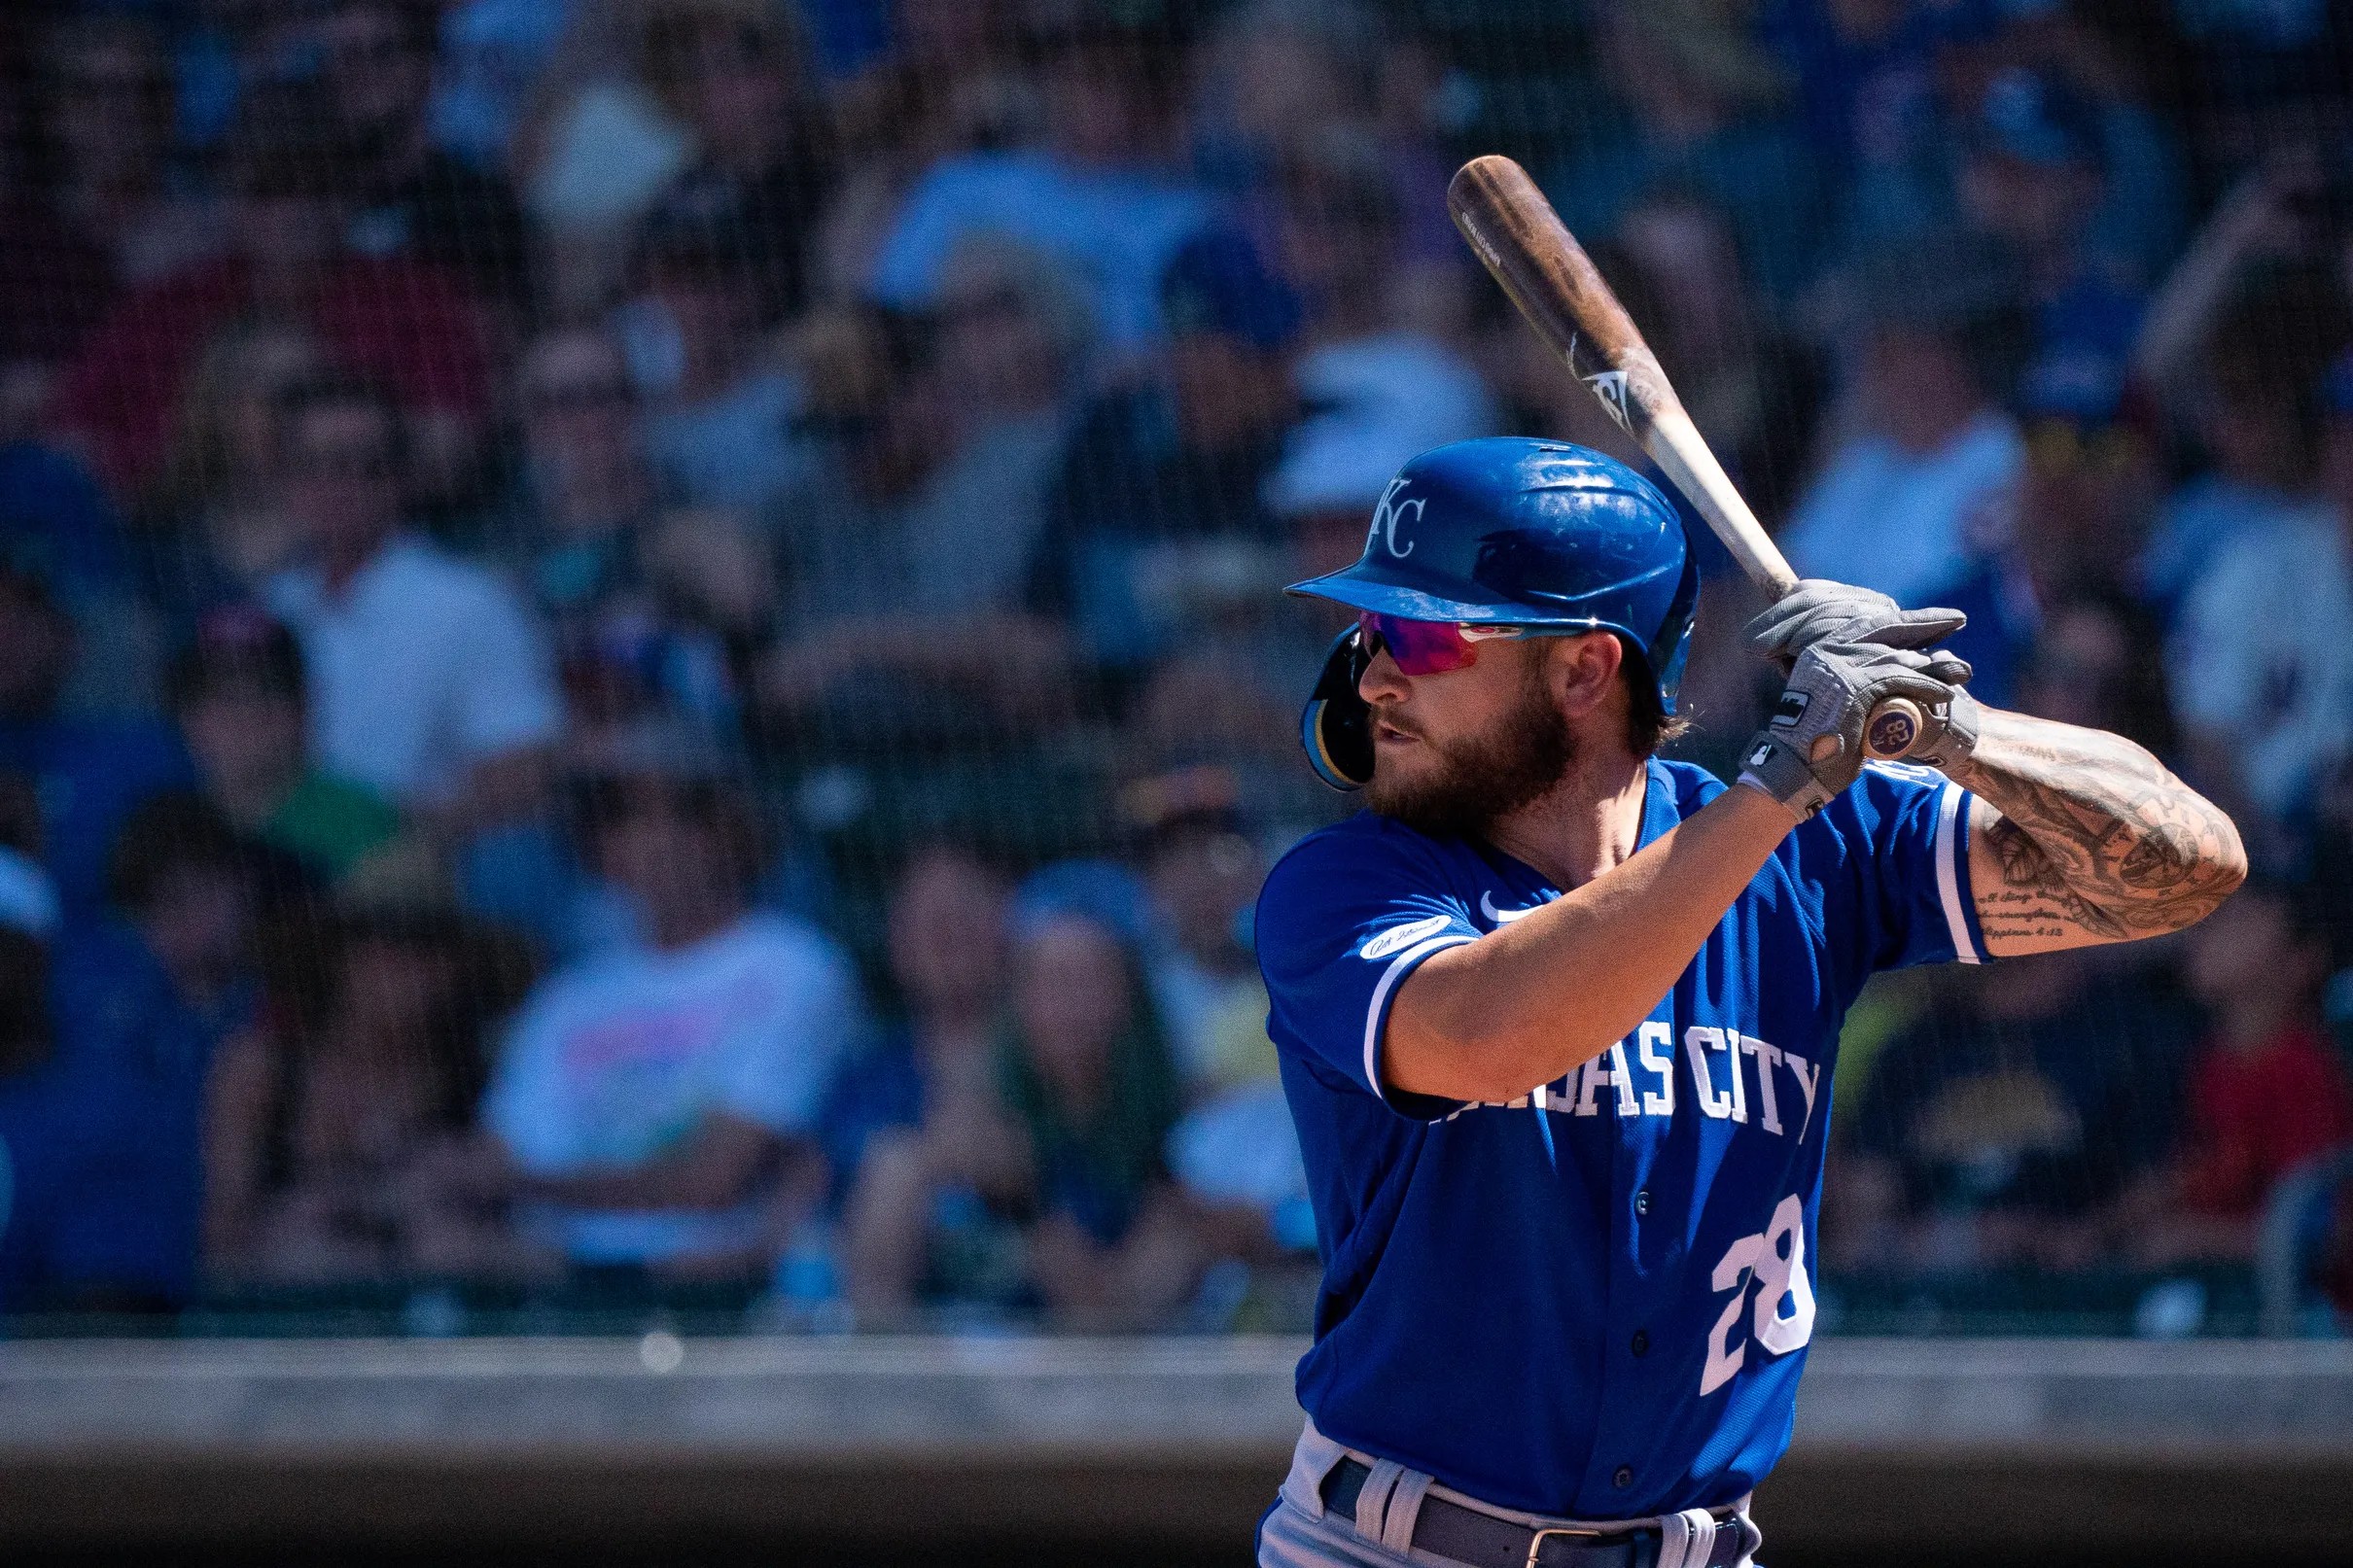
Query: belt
<point x="1467" y="1536"/>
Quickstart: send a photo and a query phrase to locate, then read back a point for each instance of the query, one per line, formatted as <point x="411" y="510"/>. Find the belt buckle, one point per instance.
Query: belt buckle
<point x="1535" y="1543"/>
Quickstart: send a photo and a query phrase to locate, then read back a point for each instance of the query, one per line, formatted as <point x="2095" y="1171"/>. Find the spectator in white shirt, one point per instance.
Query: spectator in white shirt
<point x="2249" y="407"/>
<point x="1098" y="194"/>
<point x="1366" y="376"/>
<point x="654" y="1107"/>
<point x="1916" y="486"/>
<point x="2261" y="670"/>
<point x="429" y="681"/>
<point x="2227" y="349"/>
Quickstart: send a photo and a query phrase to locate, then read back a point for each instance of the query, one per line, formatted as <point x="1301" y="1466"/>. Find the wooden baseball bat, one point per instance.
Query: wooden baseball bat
<point x="1563" y="296"/>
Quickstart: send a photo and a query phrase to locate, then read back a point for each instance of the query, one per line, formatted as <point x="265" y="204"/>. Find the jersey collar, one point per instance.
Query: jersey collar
<point x="1659" y="812"/>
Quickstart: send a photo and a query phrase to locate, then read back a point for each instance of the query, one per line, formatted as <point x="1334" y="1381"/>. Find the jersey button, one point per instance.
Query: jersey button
<point x="1642" y="1342"/>
<point x="1642" y="1200"/>
<point x="1624" y="1478"/>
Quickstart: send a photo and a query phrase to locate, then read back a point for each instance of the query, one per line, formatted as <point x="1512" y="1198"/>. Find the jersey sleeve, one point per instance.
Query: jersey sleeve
<point x="1343" y="921"/>
<point x="1891" y="858"/>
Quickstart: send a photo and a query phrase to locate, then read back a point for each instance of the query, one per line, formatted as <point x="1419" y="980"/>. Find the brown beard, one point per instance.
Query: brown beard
<point x="1487" y="777"/>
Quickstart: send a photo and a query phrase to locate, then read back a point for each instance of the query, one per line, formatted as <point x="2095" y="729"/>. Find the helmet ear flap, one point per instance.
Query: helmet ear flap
<point x="1337" y="726"/>
<point x="1671" y="646"/>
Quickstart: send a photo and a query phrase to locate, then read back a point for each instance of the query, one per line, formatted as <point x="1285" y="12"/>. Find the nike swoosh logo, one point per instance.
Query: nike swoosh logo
<point x="1487" y="907"/>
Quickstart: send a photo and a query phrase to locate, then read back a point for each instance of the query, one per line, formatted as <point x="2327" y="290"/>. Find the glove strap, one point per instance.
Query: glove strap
<point x="1773" y="765"/>
<point x="1952" y="730"/>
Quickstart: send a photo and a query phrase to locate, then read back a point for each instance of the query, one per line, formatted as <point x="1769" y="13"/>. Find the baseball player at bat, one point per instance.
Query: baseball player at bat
<point x="1558" y="1017"/>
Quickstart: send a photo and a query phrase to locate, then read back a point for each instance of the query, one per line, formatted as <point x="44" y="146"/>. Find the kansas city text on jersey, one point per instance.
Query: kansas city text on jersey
<point x="1718" y="1066"/>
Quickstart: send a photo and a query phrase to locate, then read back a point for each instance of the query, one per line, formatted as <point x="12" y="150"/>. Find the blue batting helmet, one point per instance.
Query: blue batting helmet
<point x="1507" y="532"/>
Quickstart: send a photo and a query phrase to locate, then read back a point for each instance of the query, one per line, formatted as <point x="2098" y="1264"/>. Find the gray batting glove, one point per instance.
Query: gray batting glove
<point x="1949" y="737"/>
<point x="1812" y="750"/>
<point x="1819" y="610"/>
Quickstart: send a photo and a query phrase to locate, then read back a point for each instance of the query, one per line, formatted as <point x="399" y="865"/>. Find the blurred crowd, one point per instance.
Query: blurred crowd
<point x="639" y="647"/>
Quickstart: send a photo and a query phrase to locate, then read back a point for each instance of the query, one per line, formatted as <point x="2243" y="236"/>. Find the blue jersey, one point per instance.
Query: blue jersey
<point x="1594" y="1301"/>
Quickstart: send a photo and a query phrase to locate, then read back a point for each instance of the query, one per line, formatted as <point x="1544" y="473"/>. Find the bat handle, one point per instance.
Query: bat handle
<point x="1893" y="728"/>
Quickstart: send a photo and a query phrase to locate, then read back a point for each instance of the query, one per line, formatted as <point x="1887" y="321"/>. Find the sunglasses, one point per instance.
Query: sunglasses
<point x="2061" y="446"/>
<point x="1434" y="647"/>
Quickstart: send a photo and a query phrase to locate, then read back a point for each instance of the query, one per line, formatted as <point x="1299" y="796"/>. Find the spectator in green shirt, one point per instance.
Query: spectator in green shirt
<point x="1085" y="1077"/>
<point x="239" y="695"/>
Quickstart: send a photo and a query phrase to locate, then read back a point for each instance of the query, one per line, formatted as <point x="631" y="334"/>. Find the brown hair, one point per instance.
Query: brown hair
<point x="1649" y="726"/>
<point x="671" y="31"/>
<point x="173" y="831"/>
<point x="598" y="801"/>
<point x="199" y="464"/>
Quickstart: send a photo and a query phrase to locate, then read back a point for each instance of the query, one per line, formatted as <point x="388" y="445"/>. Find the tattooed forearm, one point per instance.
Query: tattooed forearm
<point x="2093" y="841"/>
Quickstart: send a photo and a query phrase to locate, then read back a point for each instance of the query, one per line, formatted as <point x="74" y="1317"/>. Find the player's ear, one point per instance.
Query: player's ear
<point x="1582" y="673"/>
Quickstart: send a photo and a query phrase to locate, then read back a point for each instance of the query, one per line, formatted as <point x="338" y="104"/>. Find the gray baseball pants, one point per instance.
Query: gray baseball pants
<point x="1300" y="1533"/>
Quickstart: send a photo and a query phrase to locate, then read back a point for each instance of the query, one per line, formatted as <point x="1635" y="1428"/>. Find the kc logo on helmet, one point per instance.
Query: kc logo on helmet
<point x="1389" y="515"/>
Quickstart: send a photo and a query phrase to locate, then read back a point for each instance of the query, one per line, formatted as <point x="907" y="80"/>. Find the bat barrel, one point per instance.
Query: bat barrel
<point x="1521" y="240"/>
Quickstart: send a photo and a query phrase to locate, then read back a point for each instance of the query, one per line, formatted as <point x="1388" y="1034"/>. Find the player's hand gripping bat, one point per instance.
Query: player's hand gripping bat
<point x="1557" y="287"/>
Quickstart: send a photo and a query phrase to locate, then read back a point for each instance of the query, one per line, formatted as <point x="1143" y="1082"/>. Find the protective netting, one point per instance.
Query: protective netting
<point x="640" y="665"/>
